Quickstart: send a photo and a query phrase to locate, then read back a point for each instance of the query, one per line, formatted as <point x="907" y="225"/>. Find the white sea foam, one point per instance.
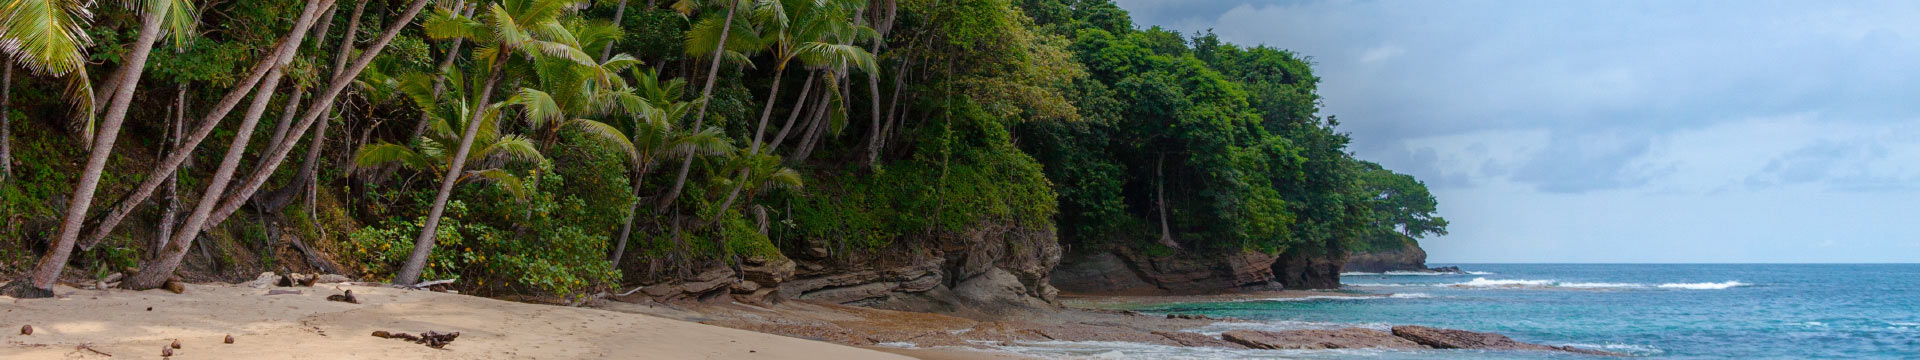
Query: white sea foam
<point x="1898" y="323"/>
<point x="1600" y="285"/>
<point x="1620" y="348"/>
<point x="1410" y="296"/>
<point x="1505" y="283"/>
<point x="903" y="345"/>
<point x="1704" y="286"/>
<point x="1413" y="273"/>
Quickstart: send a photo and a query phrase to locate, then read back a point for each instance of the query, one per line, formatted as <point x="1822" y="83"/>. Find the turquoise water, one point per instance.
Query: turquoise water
<point x="1655" y="311"/>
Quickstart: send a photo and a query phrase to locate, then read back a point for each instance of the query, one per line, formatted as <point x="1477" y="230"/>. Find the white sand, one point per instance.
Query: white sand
<point x="306" y="326"/>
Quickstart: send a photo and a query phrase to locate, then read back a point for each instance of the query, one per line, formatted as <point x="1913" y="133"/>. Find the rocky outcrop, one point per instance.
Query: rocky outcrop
<point x="1409" y="257"/>
<point x="1127" y="272"/>
<point x="1461" y="339"/>
<point x="1349" y="338"/>
<point x="1303" y="270"/>
<point x="988" y="268"/>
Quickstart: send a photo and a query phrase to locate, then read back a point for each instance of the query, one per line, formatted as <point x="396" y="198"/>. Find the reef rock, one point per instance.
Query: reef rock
<point x="1348" y="338"/>
<point x="1462" y="339"/>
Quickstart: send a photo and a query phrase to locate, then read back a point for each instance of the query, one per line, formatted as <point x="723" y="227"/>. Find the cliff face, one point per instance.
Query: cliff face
<point x="1405" y="258"/>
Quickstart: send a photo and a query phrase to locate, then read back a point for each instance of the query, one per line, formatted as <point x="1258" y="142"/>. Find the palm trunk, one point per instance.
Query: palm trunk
<point x="619" y="13"/>
<point x="287" y="116"/>
<point x="815" y="124"/>
<point x="6" y="121"/>
<point x="800" y="104"/>
<point x="766" y="111"/>
<point x="48" y="270"/>
<point x="706" y="94"/>
<point x="275" y="156"/>
<point x="423" y="246"/>
<point x="170" y="196"/>
<point x="633" y="211"/>
<point x="308" y="179"/>
<point x="184" y="151"/>
<point x="335" y="87"/>
<point x="439" y="81"/>
<point x="873" y="98"/>
<point x="153" y="273"/>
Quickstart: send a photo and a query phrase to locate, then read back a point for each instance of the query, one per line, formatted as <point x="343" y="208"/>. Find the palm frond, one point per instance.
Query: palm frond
<point x="505" y="180"/>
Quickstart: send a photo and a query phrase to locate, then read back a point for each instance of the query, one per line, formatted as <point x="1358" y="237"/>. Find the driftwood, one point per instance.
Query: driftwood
<point x="345" y="298"/>
<point x="430" y="339"/>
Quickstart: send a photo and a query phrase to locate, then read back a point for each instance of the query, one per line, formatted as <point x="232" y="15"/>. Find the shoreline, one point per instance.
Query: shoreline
<point x="87" y="324"/>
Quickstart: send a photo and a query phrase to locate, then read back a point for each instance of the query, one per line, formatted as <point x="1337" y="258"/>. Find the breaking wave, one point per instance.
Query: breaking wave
<point x="1704" y="286"/>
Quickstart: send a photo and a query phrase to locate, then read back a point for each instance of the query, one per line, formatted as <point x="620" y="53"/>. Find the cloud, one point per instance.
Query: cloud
<point x="1381" y="53"/>
<point x="1577" y="163"/>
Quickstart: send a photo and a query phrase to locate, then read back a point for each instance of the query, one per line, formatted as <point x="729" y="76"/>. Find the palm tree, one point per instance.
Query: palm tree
<point x="182" y="151"/>
<point x="510" y="26"/>
<point x="807" y="29"/>
<point x="654" y="135"/>
<point x="156" y="270"/>
<point x="491" y="150"/>
<point x="48" y="35"/>
<point x="154" y="273"/>
<point x="566" y="92"/>
<point x="699" y="39"/>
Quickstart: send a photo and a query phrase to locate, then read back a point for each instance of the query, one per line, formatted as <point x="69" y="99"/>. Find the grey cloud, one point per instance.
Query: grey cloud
<point x="1577" y="163"/>
<point x="1838" y="165"/>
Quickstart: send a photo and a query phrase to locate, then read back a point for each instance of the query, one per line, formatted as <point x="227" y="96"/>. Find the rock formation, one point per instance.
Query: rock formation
<point x="1405" y="258"/>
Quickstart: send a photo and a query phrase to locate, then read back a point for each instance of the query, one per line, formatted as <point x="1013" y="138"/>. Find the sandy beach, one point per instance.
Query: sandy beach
<point x="89" y="324"/>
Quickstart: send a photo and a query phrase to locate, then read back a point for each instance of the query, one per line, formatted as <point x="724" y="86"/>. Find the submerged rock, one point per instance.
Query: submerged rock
<point x="1188" y="339"/>
<point x="1348" y="338"/>
<point x="1462" y="339"/>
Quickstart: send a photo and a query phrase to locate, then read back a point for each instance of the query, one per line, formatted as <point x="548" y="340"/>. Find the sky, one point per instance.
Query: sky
<point x="1621" y="131"/>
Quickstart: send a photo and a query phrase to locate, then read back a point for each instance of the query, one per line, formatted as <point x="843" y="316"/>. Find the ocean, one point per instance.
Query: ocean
<point x="1661" y="311"/>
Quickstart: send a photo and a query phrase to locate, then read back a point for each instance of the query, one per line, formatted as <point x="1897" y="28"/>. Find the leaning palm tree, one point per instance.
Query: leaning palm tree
<point x="507" y="28"/>
<point x="655" y="135"/>
<point x="49" y="35"/>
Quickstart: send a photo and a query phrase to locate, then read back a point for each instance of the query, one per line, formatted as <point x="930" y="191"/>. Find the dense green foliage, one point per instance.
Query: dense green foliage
<point x="1233" y="134"/>
<point x="850" y="124"/>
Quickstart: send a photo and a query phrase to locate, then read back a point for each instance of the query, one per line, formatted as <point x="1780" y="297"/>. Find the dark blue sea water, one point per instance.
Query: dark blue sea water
<point x="1657" y="311"/>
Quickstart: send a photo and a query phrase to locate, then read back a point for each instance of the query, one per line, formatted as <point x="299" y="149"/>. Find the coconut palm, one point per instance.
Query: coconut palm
<point x="566" y="94"/>
<point x="48" y="36"/>
<point x="656" y="135"/>
<point x="490" y="152"/>
<point x="155" y="272"/>
<point x="507" y="28"/>
<point x="700" y="39"/>
<point x="808" y="30"/>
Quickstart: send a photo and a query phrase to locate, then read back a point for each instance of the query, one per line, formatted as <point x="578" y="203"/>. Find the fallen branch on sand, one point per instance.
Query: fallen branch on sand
<point x="430" y="339"/>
